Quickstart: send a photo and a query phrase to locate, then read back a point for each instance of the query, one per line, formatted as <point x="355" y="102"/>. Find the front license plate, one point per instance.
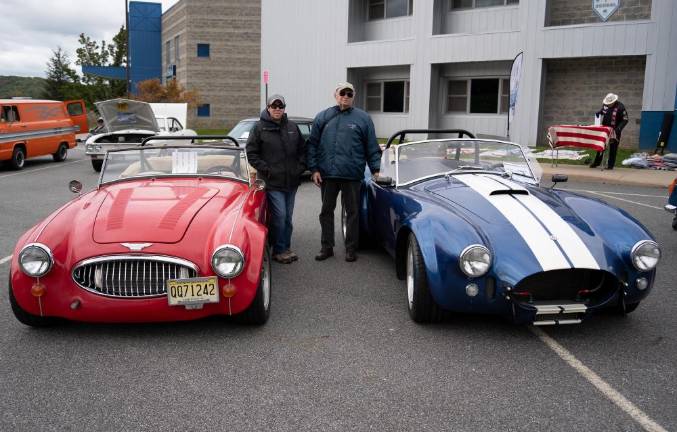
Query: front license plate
<point x="181" y="292"/>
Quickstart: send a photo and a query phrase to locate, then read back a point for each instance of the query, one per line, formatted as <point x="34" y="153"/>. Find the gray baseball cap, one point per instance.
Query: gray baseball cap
<point x="275" y="97"/>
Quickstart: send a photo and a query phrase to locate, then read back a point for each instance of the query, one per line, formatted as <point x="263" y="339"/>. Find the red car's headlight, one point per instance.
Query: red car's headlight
<point x="227" y="261"/>
<point x="35" y="260"/>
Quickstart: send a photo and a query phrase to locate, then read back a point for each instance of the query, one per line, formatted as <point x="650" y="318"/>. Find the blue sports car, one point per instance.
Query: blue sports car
<point x="471" y="230"/>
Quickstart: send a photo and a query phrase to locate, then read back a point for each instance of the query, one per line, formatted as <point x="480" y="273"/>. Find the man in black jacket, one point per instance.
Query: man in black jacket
<point x="276" y="149"/>
<point x="614" y="115"/>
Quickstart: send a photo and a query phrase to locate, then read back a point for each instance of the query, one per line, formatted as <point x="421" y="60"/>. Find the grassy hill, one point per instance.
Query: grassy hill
<point x="21" y="86"/>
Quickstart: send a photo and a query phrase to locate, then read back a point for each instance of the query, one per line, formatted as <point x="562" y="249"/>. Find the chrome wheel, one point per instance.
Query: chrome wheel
<point x="410" y="276"/>
<point x="265" y="281"/>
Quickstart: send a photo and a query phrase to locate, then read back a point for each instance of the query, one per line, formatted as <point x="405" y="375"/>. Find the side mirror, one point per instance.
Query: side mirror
<point x="384" y="181"/>
<point x="259" y="184"/>
<point x="75" y="186"/>
<point x="559" y="178"/>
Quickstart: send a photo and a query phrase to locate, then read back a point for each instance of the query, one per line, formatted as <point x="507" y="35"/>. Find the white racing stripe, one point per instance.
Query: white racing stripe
<point x="569" y="241"/>
<point x="549" y="256"/>
<point x="609" y="392"/>
<point x="5" y="259"/>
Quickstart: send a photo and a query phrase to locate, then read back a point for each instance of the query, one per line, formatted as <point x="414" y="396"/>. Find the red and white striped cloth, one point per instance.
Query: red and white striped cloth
<point x="592" y="137"/>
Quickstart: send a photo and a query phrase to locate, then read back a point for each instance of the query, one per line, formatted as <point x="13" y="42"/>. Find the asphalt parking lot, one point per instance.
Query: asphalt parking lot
<point x="339" y="351"/>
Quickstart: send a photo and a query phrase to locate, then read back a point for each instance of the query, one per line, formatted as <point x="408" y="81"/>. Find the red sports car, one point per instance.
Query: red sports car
<point x="172" y="232"/>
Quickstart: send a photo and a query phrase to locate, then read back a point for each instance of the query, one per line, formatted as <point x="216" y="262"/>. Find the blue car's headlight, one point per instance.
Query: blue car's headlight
<point x="645" y="255"/>
<point x="35" y="260"/>
<point x="227" y="261"/>
<point x="475" y="260"/>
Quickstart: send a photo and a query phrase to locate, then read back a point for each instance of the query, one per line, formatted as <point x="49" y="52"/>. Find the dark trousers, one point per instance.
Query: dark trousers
<point x="350" y="191"/>
<point x="613" y="149"/>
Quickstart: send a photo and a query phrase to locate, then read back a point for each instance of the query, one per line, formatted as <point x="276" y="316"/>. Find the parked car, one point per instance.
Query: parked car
<point x="241" y="130"/>
<point x="31" y="128"/>
<point x="171" y="125"/>
<point x="471" y="230"/>
<point x="671" y="206"/>
<point x="127" y="123"/>
<point x="172" y="232"/>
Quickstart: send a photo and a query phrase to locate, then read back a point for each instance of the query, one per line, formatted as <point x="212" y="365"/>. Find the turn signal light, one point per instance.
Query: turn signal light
<point x="38" y="289"/>
<point x="228" y="290"/>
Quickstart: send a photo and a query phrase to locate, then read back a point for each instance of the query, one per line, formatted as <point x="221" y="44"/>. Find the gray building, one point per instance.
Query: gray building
<point x="213" y="47"/>
<point x="446" y="63"/>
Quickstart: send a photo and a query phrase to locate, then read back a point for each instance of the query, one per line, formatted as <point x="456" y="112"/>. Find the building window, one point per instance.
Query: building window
<point x="176" y="49"/>
<point x="168" y="52"/>
<point x="388" y="96"/>
<point x="380" y="9"/>
<point x="203" y="110"/>
<point x="202" y="50"/>
<point x="471" y="4"/>
<point x="478" y="96"/>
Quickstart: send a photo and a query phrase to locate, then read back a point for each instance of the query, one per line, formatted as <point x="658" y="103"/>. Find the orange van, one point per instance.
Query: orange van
<point x="30" y="128"/>
<point x="78" y="113"/>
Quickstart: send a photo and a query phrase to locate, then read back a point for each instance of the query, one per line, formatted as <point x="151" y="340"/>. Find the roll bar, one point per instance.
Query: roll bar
<point x="402" y="133"/>
<point x="192" y="138"/>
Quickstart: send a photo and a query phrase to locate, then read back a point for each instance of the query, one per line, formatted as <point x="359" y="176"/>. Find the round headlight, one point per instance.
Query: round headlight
<point x="228" y="261"/>
<point x="645" y="255"/>
<point x="35" y="260"/>
<point x="475" y="260"/>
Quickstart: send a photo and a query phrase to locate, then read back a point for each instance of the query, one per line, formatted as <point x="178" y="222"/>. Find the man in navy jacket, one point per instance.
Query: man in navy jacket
<point x="341" y="142"/>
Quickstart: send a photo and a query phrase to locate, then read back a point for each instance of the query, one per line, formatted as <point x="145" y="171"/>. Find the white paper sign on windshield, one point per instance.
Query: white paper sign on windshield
<point x="184" y="162"/>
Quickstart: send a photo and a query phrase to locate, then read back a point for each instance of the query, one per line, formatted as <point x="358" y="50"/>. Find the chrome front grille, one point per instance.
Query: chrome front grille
<point x="131" y="276"/>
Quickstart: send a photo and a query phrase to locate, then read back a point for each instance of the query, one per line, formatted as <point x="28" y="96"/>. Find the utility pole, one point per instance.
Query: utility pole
<point x="128" y="57"/>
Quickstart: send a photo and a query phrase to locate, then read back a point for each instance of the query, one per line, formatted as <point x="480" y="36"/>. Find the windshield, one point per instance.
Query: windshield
<point x="175" y="161"/>
<point x="242" y="129"/>
<point x="420" y="160"/>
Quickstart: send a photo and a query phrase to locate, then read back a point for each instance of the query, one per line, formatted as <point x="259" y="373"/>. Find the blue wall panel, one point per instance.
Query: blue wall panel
<point x="145" y="41"/>
<point x="650" y="127"/>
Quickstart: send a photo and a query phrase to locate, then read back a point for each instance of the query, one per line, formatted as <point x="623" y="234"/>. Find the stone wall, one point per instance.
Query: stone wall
<point x="568" y="12"/>
<point x="229" y="79"/>
<point x="574" y="89"/>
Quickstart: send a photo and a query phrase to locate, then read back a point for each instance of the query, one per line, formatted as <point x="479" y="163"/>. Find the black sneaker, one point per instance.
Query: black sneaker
<point x="351" y="256"/>
<point x="324" y="254"/>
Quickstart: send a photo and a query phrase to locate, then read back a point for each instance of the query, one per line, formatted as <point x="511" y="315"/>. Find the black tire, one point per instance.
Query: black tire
<point x="27" y="318"/>
<point x="258" y="312"/>
<point x="18" y="158"/>
<point x="422" y="308"/>
<point x="61" y="154"/>
<point x="97" y="164"/>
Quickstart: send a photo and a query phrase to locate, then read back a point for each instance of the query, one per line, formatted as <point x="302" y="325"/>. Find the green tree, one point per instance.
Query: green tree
<point x="62" y="81"/>
<point x="94" y="53"/>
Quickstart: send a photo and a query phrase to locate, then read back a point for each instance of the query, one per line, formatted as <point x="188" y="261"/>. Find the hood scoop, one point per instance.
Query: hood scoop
<point x="509" y="192"/>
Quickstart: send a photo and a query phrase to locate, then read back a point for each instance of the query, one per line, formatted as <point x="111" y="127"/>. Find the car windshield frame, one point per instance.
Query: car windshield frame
<point x="175" y="161"/>
<point x="516" y="162"/>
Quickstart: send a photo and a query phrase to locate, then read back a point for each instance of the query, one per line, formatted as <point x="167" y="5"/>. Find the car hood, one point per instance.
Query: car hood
<point x="536" y="229"/>
<point x="124" y="114"/>
<point x="148" y="213"/>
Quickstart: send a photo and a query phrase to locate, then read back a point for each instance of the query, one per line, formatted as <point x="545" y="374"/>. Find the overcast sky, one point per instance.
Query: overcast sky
<point x="32" y="29"/>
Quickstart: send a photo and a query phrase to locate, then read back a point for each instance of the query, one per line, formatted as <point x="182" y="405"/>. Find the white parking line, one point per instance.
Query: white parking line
<point x="5" y="259"/>
<point x="614" y="396"/>
<point x="622" y="193"/>
<point x="40" y="169"/>
<point x="624" y="200"/>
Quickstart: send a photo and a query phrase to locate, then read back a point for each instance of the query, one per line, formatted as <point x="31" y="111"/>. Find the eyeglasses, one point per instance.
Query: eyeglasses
<point x="278" y="106"/>
<point x="346" y="93"/>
